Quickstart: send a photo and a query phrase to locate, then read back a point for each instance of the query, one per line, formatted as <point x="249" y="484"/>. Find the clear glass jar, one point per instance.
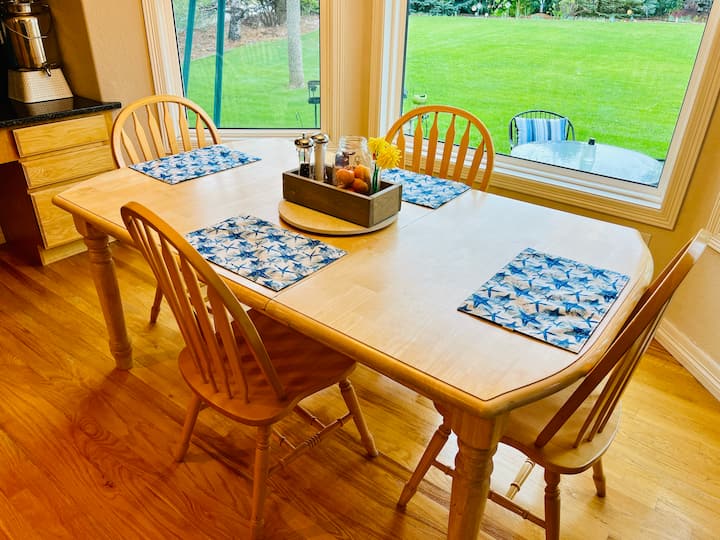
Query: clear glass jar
<point x="353" y="161"/>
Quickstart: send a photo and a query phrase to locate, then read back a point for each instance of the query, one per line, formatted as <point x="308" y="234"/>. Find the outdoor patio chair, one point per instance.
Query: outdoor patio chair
<point x="314" y="97"/>
<point x="539" y="126"/>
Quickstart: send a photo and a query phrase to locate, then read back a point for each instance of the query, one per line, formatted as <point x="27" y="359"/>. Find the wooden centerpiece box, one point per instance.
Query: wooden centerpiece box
<point x="364" y="210"/>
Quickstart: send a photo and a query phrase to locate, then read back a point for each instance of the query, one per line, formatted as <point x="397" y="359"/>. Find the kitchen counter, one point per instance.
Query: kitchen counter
<point x="15" y="113"/>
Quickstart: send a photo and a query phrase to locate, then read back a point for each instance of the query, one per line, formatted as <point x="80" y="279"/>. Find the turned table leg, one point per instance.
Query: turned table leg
<point x="106" y="284"/>
<point x="477" y="442"/>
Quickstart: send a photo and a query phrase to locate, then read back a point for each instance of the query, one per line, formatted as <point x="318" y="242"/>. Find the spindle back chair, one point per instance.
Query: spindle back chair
<point x="241" y="363"/>
<point x="444" y="141"/>
<point x="154" y="127"/>
<point x="570" y="431"/>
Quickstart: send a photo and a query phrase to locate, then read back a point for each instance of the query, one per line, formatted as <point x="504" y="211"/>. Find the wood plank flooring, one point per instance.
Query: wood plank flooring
<point x="86" y="450"/>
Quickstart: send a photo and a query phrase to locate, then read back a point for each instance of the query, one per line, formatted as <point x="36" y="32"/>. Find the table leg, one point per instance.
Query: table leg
<point x="106" y="284"/>
<point x="477" y="441"/>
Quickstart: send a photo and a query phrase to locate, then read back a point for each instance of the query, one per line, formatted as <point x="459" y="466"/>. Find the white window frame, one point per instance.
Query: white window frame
<point x="658" y="207"/>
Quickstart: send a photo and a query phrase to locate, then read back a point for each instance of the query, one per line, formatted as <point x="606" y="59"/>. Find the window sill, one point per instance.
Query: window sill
<point x="610" y="196"/>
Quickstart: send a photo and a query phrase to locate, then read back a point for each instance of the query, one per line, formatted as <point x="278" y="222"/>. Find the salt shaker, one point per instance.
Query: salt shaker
<point x="320" y="141"/>
<point x="303" y="145"/>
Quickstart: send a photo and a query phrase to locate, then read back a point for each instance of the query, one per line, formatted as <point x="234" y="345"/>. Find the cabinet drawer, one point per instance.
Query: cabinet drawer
<point x="67" y="165"/>
<point x="60" y="135"/>
<point x="56" y="225"/>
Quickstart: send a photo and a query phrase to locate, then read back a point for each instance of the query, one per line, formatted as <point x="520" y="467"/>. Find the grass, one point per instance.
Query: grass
<point x="622" y="83"/>
<point x="256" y="91"/>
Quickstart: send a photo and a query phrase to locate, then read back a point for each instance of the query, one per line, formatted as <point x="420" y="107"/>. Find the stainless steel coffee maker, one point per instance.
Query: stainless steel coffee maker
<point x="27" y="33"/>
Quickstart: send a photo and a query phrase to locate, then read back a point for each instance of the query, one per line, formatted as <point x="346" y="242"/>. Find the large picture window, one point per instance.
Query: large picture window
<point x="251" y="63"/>
<point x="392" y="84"/>
<point x="656" y="204"/>
<point x="584" y="86"/>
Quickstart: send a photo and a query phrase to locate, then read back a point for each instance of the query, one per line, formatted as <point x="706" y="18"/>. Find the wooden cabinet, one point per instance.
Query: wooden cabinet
<point x="51" y="156"/>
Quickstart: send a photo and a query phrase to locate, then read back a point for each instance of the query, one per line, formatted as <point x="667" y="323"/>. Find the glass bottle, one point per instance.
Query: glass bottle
<point x="587" y="155"/>
<point x="353" y="161"/>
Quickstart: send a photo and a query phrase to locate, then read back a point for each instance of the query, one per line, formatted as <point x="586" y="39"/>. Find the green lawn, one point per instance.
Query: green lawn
<point x="621" y="83"/>
<point x="255" y="85"/>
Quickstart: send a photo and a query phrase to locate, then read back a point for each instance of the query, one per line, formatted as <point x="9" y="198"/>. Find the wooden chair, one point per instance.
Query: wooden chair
<point x="241" y="363"/>
<point x="465" y="141"/>
<point x="157" y="126"/>
<point x="568" y="432"/>
<point x="538" y="125"/>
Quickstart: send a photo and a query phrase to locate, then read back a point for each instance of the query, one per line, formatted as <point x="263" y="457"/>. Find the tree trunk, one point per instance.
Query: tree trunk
<point x="295" y="63"/>
<point x="236" y="15"/>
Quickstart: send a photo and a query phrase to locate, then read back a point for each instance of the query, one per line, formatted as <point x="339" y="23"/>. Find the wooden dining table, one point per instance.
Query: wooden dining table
<point x="391" y="302"/>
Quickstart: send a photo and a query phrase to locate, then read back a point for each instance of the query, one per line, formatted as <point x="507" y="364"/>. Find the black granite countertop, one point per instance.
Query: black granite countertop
<point x="15" y="113"/>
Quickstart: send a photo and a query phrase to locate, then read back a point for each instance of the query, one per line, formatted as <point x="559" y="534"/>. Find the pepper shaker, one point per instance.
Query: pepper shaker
<point x="320" y="141"/>
<point x="303" y="145"/>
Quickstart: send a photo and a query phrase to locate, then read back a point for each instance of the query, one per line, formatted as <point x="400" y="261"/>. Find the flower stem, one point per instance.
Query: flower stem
<point x="374" y="182"/>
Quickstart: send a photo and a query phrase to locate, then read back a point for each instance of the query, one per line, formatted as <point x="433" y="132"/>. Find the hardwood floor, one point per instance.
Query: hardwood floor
<point x="86" y="450"/>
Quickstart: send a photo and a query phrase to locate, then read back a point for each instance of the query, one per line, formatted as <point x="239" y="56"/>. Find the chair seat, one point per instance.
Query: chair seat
<point x="525" y="423"/>
<point x="291" y="353"/>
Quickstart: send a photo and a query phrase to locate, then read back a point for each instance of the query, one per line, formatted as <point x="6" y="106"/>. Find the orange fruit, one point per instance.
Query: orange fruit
<point x="359" y="186"/>
<point x="362" y="172"/>
<point x="344" y="177"/>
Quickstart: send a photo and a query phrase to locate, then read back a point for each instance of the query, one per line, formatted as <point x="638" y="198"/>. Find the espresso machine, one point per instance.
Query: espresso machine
<point x="32" y="53"/>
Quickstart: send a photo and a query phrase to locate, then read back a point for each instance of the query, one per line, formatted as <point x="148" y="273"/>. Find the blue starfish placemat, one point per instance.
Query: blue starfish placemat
<point x="193" y="164"/>
<point x="262" y="252"/>
<point x="554" y="299"/>
<point x="423" y="189"/>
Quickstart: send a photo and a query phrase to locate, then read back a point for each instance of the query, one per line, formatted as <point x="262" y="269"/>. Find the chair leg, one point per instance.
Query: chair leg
<point x="260" y="480"/>
<point x="190" y="418"/>
<point x="520" y="478"/>
<point x="155" y="309"/>
<point x="599" y="478"/>
<point x="436" y="444"/>
<point x="353" y="405"/>
<point x="552" y="505"/>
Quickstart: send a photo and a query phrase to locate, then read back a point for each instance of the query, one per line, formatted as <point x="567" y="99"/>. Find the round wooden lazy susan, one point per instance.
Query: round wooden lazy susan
<point x="310" y="220"/>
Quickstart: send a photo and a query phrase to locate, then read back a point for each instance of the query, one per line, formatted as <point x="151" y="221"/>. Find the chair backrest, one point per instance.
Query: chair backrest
<point x="539" y="126"/>
<point x="620" y="360"/>
<point x="217" y="331"/>
<point x="465" y="140"/>
<point x="157" y="126"/>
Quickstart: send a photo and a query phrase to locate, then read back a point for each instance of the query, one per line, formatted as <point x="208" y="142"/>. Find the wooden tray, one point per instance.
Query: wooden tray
<point x="364" y="210"/>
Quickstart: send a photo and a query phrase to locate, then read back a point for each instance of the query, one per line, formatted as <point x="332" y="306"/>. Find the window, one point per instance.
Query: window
<point x="263" y="72"/>
<point x="497" y="66"/>
<point x="546" y="86"/>
<point x="384" y="49"/>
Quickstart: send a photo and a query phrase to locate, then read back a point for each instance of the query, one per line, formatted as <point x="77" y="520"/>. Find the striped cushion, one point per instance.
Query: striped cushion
<point x="541" y="129"/>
